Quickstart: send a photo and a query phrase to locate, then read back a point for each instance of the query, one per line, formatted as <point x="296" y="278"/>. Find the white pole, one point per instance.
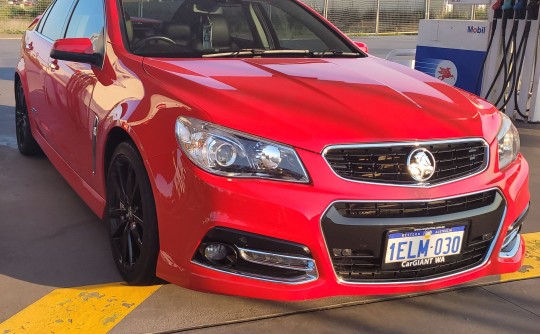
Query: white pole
<point x="377" y="17"/>
<point x="325" y="9"/>
<point x="534" y="111"/>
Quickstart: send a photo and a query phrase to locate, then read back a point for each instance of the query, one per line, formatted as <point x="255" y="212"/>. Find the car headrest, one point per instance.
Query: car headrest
<point x="220" y="32"/>
<point x="177" y="31"/>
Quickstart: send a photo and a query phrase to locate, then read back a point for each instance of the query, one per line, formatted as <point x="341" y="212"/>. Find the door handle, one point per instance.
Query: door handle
<point x="53" y="65"/>
<point x="30" y="46"/>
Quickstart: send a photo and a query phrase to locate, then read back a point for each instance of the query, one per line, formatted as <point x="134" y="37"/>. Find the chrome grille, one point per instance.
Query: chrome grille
<point x="387" y="163"/>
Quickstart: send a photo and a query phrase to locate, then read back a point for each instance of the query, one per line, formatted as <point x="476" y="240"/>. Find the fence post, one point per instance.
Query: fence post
<point x="427" y="9"/>
<point x="325" y="9"/>
<point x="377" y="17"/>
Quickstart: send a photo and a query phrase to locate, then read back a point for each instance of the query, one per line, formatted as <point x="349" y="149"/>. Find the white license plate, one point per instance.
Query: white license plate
<point x="423" y="247"/>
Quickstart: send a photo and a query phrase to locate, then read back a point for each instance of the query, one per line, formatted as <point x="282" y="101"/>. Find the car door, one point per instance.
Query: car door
<point x="37" y="48"/>
<point x="71" y="85"/>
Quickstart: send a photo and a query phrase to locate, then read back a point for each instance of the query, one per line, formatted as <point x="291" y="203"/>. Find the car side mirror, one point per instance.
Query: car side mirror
<point x="80" y="50"/>
<point x="362" y="46"/>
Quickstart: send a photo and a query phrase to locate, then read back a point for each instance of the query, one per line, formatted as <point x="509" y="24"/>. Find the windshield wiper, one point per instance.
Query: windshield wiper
<point x="334" y="53"/>
<point x="337" y="54"/>
<point x="259" y="53"/>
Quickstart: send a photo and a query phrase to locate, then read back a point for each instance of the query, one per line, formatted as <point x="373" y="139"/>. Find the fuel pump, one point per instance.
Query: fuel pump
<point x="517" y="53"/>
<point x="497" y="85"/>
<point x="497" y="15"/>
<point x="530" y="88"/>
<point x="454" y="51"/>
<point x="510" y="88"/>
<point x="530" y="13"/>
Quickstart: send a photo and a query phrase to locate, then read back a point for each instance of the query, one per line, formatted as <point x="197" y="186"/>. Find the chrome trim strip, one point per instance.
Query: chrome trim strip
<point x="508" y="239"/>
<point x="94" y="143"/>
<point x="417" y="144"/>
<point x="310" y="268"/>
<point x="512" y="236"/>
<point x="486" y="259"/>
<point x="297" y="281"/>
<point x="515" y="248"/>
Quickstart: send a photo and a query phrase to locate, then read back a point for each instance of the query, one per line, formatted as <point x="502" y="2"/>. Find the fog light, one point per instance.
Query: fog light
<point x="215" y="252"/>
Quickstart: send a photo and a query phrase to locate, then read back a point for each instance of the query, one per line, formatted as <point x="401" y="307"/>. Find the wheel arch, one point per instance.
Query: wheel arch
<point x="17" y="80"/>
<point x="20" y="76"/>
<point x="115" y="137"/>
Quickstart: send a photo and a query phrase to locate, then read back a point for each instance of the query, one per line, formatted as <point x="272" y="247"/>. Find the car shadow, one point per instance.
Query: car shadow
<point x="49" y="236"/>
<point x="7" y="73"/>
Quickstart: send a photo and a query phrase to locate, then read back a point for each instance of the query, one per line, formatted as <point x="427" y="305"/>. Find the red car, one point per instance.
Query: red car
<point x="248" y="147"/>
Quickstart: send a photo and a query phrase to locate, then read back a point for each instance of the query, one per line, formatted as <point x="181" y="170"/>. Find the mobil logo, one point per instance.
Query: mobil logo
<point x="476" y="30"/>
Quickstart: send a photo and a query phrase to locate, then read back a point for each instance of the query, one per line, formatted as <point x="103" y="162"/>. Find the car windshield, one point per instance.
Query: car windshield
<point x="229" y="28"/>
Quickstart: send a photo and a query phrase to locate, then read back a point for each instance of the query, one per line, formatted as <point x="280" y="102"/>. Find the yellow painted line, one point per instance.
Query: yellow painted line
<point x="97" y="309"/>
<point x="531" y="263"/>
<point x="92" y="309"/>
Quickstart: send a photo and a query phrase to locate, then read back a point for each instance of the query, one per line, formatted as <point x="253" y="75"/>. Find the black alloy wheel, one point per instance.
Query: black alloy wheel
<point x="131" y="216"/>
<point x="25" y="141"/>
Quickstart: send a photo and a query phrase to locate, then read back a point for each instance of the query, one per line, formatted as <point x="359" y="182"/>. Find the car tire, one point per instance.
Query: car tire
<point x="131" y="216"/>
<point x="25" y="140"/>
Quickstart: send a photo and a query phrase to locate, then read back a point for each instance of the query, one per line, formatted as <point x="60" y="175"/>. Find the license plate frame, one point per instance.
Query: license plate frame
<point x="415" y="234"/>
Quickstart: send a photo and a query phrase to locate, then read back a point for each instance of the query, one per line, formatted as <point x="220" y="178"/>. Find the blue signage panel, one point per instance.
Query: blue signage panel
<point x="460" y="68"/>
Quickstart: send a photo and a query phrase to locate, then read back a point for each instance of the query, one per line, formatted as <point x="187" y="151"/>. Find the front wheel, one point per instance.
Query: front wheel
<point x="25" y="141"/>
<point x="131" y="215"/>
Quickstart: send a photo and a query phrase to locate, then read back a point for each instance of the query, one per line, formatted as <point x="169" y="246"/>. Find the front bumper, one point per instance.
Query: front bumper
<point x="191" y="203"/>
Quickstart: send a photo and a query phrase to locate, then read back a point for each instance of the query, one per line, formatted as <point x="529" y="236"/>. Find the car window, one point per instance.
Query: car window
<point x="87" y="21"/>
<point x="238" y="24"/>
<point x="202" y="28"/>
<point x="39" y="27"/>
<point x="54" y="24"/>
<point x="291" y="33"/>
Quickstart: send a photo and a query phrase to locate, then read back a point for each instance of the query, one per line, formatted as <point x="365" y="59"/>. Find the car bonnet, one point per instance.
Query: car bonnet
<point x="311" y="103"/>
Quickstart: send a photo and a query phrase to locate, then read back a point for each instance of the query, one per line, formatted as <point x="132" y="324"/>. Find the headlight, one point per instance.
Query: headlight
<point x="509" y="144"/>
<point x="225" y="152"/>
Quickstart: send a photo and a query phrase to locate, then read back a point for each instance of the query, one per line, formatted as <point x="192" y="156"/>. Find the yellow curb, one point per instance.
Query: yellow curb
<point x="97" y="309"/>
<point x="531" y="263"/>
<point x="92" y="309"/>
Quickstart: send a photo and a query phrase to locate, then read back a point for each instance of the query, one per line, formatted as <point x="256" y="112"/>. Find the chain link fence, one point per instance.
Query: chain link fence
<point x="354" y="17"/>
<point x="16" y="15"/>
<point x="357" y="17"/>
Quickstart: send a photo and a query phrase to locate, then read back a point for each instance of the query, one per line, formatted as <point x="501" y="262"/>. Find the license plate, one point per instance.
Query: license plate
<point x="423" y="247"/>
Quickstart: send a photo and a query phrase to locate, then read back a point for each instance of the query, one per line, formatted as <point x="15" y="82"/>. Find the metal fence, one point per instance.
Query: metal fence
<point x="351" y="16"/>
<point x="391" y="16"/>
<point x="16" y="15"/>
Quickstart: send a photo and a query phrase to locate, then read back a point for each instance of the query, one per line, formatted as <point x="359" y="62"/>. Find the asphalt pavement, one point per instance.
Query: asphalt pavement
<point x="56" y="272"/>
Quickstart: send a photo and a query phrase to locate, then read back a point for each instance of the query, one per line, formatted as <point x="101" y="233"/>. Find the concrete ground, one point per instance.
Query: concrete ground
<point x="52" y="247"/>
